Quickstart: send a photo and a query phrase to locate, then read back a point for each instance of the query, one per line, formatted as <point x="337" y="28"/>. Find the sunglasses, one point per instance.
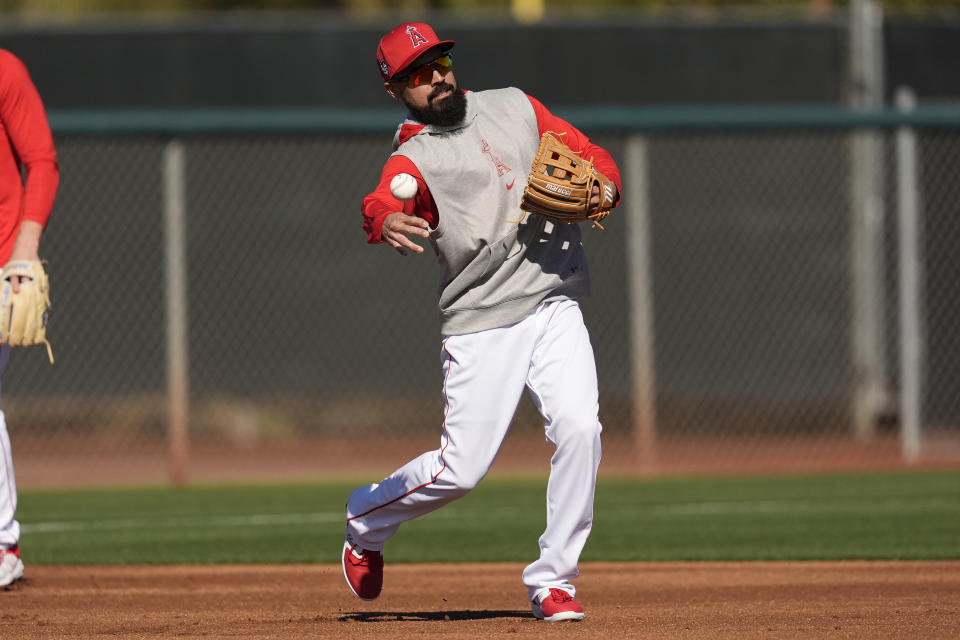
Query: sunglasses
<point x="424" y="74"/>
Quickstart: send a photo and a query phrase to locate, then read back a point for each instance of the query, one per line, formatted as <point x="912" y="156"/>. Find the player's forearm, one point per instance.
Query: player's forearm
<point x="43" y="178"/>
<point x="27" y="244"/>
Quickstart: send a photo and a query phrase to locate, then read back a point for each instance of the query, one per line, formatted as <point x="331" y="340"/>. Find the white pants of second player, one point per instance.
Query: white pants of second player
<point x="549" y="353"/>
<point x="9" y="527"/>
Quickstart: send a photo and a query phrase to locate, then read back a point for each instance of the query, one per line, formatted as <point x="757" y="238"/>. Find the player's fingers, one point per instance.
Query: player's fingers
<point x="400" y="242"/>
<point x="396" y="228"/>
<point x="595" y="196"/>
<point x="15" y="283"/>
<point x="416" y="222"/>
<point x="410" y="244"/>
<point x="396" y="245"/>
<point x="412" y="224"/>
<point x="387" y="234"/>
<point x="420" y="231"/>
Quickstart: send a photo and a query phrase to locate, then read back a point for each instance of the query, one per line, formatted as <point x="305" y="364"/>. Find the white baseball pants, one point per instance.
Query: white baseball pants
<point x="549" y="353"/>
<point x="9" y="527"/>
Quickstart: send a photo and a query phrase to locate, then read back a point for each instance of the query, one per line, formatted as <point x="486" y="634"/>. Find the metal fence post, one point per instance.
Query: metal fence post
<point x="641" y="301"/>
<point x="868" y="331"/>
<point x="911" y="284"/>
<point x="175" y="276"/>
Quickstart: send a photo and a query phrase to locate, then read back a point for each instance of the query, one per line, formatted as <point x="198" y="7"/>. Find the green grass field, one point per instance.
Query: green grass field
<point x="891" y="516"/>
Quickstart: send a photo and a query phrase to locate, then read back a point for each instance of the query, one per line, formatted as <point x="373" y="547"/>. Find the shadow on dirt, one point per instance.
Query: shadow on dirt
<point x="421" y="616"/>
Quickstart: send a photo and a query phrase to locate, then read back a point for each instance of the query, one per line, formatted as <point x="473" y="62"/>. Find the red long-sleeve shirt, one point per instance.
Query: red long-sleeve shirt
<point x="381" y="203"/>
<point x="25" y="141"/>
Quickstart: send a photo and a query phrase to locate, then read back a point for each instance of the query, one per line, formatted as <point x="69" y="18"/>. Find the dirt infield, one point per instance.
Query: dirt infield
<point x="671" y="600"/>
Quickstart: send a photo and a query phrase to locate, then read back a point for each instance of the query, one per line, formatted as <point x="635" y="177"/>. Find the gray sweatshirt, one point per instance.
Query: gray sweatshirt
<point x="497" y="262"/>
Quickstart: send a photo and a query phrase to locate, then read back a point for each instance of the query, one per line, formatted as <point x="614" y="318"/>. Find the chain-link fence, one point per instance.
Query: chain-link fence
<point x="726" y="308"/>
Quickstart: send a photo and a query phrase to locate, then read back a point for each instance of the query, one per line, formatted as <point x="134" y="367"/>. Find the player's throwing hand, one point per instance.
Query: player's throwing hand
<point x="398" y="226"/>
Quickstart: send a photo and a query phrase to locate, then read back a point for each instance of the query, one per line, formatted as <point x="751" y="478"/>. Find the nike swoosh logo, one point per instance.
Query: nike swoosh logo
<point x="510" y="186"/>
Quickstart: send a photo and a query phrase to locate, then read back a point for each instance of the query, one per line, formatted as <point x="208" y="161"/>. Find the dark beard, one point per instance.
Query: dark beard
<point x="450" y="111"/>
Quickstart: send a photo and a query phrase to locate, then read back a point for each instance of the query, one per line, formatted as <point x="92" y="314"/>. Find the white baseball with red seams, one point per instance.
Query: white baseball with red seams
<point x="403" y="186"/>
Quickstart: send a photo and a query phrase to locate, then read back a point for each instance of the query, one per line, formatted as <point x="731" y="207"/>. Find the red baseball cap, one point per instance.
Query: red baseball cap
<point x="407" y="42"/>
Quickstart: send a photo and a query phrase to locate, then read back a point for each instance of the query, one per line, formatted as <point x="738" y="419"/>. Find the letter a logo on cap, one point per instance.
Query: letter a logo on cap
<point x="404" y="44"/>
<point x="416" y="38"/>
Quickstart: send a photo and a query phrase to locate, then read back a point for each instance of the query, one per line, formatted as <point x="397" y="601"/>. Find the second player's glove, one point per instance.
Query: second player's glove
<point x="23" y="315"/>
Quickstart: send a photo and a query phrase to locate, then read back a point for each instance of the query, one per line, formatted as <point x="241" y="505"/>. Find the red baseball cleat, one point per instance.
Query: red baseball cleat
<point x="556" y="606"/>
<point x="363" y="571"/>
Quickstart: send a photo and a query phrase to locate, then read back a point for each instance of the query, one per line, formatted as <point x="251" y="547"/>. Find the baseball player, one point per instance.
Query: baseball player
<point x="510" y="320"/>
<point x="24" y="211"/>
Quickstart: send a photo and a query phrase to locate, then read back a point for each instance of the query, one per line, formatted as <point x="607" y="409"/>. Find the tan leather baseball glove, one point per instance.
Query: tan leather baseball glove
<point x="561" y="183"/>
<point x="23" y="315"/>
